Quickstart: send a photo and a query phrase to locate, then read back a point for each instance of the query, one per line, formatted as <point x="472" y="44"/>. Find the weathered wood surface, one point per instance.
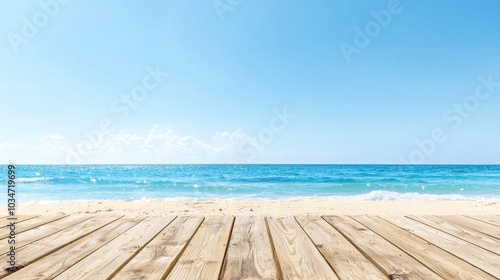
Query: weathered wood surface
<point x="253" y="247"/>
<point x="466" y="251"/>
<point x="390" y="259"/>
<point x="37" y="233"/>
<point x="297" y="256"/>
<point x="204" y="255"/>
<point x="160" y="255"/>
<point x="250" y="255"/>
<point x="443" y="263"/>
<point x="480" y="239"/>
<point x="108" y="259"/>
<point x="45" y="246"/>
<point x="59" y="261"/>
<point x="30" y="222"/>
<point x="494" y="220"/>
<point x="5" y="220"/>
<point x="342" y="256"/>
<point x="486" y="228"/>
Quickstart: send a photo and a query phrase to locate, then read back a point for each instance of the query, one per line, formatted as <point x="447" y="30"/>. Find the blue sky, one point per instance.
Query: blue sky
<point x="232" y="68"/>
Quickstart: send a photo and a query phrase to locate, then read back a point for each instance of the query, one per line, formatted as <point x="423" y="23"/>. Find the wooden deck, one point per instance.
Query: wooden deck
<point x="249" y="247"/>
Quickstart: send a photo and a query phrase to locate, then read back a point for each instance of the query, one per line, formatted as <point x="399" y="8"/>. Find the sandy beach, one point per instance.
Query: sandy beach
<point x="272" y="207"/>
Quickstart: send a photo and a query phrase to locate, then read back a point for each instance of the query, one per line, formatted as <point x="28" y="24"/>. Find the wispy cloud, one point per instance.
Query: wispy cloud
<point x="159" y="145"/>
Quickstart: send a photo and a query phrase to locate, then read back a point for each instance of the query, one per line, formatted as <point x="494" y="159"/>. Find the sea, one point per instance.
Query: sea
<point x="42" y="184"/>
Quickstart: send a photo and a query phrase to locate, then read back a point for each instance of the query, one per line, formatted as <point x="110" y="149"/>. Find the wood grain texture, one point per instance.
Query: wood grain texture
<point x="5" y="220"/>
<point x="42" y="231"/>
<point x="493" y="220"/>
<point x="342" y="256"/>
<point x="390" y="259"/>
<point x="480" y="239"/>
<point x="298" y="258"/>
<point x="204" y="255"/>
<point x="250" y="255"/>
<point x="475" y="255"/>
<point x="157" y="259"/>
<point x="107" y="260"/>
<point x="222" y="247"/>
<point x="476" y="225"/>
<point x="62" y="259"/>
<point x="51" y="243"/>
<point x="25" y="225"/>
<point x="440" y="261"/>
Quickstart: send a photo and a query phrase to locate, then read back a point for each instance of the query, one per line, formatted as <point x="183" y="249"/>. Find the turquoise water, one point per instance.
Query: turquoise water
<point x="67" y="183"/>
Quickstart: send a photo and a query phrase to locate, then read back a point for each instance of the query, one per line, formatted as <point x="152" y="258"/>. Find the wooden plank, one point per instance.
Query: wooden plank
<point x="5" y="221"/>
<point x="60" y="260"/>
<point x="476" y="225"/>
<point x="157" y="259"/>
<point x="42" y="231"/>
<point x="43" y="247"/>
<point x="249" y="255"/>
<point x="297" y="256"/>
<point x="204" y="255"/>
<point x="32" y="223"/>
<point x="352" y="249"/>
<point x="443" y="263"/>
<point x="493" y="220"/>
<point x="477" y="256"/>
<point x="108" y="259"/>
<point x="342" y="256"/>
<point x="388" y="258"/>
<point x="464" y="233"/>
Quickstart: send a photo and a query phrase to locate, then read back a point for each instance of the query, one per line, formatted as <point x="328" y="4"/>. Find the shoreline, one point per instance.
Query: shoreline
<point x="261" y="207"/>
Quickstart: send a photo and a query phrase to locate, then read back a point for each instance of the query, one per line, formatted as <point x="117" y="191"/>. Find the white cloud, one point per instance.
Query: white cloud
<point x="159" y="145"/>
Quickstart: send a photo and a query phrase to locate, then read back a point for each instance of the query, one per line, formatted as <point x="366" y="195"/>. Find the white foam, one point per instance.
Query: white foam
<point x="377" y="195"/>
<point x="380" y="195"/>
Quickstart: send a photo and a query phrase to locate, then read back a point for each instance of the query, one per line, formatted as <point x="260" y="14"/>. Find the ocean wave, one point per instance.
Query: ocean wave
<point x="380" y="195"/>
<point x="377" y="195"/>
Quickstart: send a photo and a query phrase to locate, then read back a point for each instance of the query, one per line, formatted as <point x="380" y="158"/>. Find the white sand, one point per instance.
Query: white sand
<point x="275" y="208"/>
